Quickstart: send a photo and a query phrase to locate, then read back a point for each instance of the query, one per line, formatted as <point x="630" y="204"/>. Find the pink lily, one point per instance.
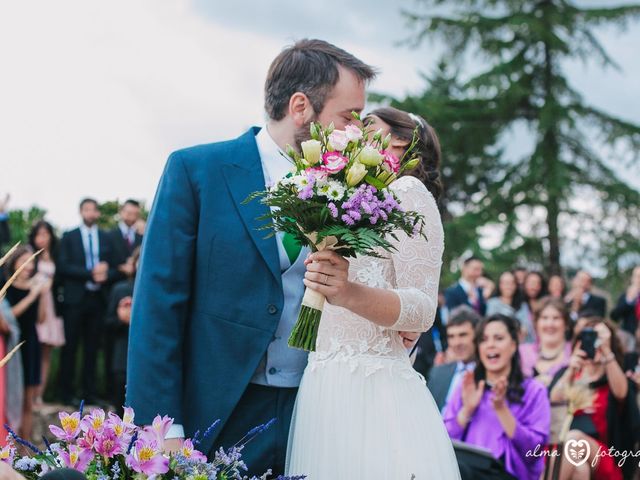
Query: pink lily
<point x="76" y="458"/>
<point x="189" y="451"/>
<point x="146" y="457"/>
<point x="94" y="421"/>
<point x="7" y="454"/>
<point x="108" y="444"/>
<point x="70" y="427"/>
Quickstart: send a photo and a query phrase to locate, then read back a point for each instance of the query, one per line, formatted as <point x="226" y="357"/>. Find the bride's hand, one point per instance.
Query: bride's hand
<point x="328" y="273"/>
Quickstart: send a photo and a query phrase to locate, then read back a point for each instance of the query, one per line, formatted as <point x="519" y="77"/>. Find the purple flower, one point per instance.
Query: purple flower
<point x="333" y="209"/>
<point x="306" y="193"/>
<point x="354" y="214"/>
<point x="348" y="220"/>
<point x="76" y="458"/>
<point x="70" y="426"/>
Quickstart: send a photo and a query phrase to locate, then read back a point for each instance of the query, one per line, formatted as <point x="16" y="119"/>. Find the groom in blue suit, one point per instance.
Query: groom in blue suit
<point x="215" y="301"/>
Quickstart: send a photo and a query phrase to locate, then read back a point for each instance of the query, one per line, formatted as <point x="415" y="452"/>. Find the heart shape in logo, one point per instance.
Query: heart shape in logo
<point x="577" y="451"/>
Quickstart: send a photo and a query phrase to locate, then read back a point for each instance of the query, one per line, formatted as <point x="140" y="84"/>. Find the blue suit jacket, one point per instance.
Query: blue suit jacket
<point x="455" y="296"/>
<point x="208" y="295"/>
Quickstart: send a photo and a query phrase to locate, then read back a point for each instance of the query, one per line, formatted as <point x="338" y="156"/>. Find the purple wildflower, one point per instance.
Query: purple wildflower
<point x="348" y="220"/>
<point x="355" y="215"/>
<point x="333" y="209"/>
<point x="306" y="193"/>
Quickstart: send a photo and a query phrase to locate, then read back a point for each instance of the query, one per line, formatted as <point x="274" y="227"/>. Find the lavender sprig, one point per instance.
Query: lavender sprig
<point x="22" y="441"/>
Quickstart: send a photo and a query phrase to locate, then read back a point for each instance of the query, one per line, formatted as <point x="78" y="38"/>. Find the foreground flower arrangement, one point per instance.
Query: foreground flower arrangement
<point x="104" y="446"/>
<point x="337" y="197"/>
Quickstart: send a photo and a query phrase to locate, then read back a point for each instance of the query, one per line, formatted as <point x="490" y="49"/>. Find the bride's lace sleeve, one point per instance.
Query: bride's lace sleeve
<point x="417" y="261"/>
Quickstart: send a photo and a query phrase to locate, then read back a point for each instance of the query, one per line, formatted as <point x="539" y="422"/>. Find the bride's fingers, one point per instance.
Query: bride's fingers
<point x="330" y="256"/>
<point x="320" y="278"/>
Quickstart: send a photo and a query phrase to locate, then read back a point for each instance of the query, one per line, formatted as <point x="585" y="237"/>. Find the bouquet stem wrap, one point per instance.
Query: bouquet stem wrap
<point x="305" y="331"/>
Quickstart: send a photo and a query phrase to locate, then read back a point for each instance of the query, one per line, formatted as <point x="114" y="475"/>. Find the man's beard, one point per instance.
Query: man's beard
<point x="302" y="134"/>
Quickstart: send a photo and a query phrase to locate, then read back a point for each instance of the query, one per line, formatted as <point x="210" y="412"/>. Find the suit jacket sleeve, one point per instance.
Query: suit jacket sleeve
<point x="161" y="298"/>
<point x="65" y="267"/>
<point x="622" y="309"/>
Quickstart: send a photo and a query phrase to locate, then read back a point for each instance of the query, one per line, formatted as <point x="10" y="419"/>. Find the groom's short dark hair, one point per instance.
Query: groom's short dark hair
<point x="309" y="66"/>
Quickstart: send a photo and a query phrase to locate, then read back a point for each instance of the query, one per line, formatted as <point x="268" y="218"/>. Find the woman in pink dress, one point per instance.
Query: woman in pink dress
<point x="51" y="328"/>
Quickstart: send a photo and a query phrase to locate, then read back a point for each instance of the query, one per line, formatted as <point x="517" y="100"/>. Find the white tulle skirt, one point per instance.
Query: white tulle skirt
<point x="367" y="418"/>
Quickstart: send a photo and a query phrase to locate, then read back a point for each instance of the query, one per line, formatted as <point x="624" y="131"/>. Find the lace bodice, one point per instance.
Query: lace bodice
<point x="413" y="272"/>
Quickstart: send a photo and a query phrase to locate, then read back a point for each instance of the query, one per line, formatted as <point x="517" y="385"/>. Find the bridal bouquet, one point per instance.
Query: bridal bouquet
<point x="337" y="197"/>
<point x="109" y="447"/>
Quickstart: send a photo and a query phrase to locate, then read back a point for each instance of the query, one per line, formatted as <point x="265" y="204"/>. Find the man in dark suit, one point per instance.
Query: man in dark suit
<point x="215" y="300"/>
<point x="466" y="291"/>
<point x="627" y="311"/>
<point x="85" y="268"/>
<point x="580" y="299"/>
<point x="461" y="353"/>
<point x="125" y="238"/>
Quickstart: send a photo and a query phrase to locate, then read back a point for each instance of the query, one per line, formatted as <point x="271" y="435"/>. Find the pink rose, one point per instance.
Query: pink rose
<point x="391" y="162"/>
<point x="338" y="140"/>
<point x="334" y="162"/>
<point x="353" y="132"/>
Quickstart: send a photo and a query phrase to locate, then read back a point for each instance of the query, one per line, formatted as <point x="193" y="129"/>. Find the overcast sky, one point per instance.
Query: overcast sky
<point x="95" y="95"/>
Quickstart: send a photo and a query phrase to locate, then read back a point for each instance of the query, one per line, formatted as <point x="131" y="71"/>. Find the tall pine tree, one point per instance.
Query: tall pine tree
<point x="580" y="152"/>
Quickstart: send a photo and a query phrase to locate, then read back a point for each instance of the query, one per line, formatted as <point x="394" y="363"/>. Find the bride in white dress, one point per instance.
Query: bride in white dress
<point x="362" y="411"/>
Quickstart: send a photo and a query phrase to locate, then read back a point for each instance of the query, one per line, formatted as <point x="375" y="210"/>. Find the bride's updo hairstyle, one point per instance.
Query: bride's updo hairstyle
<point x="402" y="125"/>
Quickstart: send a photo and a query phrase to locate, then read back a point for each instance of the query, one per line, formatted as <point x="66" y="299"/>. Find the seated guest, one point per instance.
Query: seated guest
<point x="467" y="291"/>
<point x="444" y="379"/>
<point x="512" y="415"/>
<point x="543" y="359"/>
<point x="611" y="419"/>
<point x="557" y="287"/>
<point x="627" y="310"/>
<point x="534" y="289"/>
<point x="581" y="299"/>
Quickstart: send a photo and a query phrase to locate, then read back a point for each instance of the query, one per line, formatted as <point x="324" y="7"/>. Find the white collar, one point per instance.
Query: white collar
<point x="461" y="366"/>
<point x="124" y="228"/>
<point x="275" y="163"/>
<point x="88" y="230"/>
<point x="466" y="286"/>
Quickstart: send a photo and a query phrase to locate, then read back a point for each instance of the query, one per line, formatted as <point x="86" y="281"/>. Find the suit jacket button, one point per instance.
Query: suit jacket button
<point x="272" y="309"/>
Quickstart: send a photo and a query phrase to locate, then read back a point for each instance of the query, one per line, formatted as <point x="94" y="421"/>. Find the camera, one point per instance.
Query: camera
<point x="588" y="338"/>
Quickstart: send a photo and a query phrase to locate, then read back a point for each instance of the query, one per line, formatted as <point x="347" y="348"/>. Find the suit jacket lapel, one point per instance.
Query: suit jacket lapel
<point x="80" y="245"/>
<point x="243" y="178"/>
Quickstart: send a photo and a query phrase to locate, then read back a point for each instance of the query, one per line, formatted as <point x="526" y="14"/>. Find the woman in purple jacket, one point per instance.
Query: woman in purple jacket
<point x="496" y="407"/>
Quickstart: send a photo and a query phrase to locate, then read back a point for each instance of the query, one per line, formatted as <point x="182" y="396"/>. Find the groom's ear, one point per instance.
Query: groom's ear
<point x="300" y="109"/>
